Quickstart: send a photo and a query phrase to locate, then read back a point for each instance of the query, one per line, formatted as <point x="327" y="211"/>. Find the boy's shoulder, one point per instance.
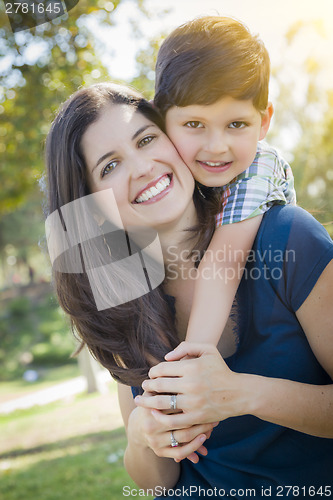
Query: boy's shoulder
<point x="264" y="148"/>
<point x="269" y="157"/>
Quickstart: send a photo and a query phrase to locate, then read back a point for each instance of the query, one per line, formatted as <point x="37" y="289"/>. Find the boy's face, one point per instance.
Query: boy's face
<point x="219" y="141"/>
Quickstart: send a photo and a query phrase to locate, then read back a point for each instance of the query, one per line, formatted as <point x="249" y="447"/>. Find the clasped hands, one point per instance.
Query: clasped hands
<point x="206" y="392"/>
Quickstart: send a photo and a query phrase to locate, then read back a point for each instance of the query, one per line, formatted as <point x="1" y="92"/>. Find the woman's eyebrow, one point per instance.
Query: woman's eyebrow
<point x="142" y="129"/>
<point x="110" y="153"/>
<point x="102" y="158"/>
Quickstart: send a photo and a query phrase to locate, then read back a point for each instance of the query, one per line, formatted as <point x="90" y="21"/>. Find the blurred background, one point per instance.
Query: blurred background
<point x="60" y="427"/>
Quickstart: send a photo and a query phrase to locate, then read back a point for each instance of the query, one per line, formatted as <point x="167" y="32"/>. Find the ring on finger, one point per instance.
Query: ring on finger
<point x="173" y="402"/>
<point x="174" y="441"/>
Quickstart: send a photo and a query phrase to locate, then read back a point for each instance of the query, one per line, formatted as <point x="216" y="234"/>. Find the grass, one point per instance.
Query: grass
<point x="67" y="450"/>
<point x="89" y="467"/>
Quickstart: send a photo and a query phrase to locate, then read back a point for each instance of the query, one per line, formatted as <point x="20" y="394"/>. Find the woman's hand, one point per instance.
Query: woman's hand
<point x="157" y="436"/>
<point x="207" y="390"/>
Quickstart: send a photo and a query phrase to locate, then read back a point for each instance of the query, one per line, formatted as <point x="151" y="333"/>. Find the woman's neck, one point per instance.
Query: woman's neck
<point x="176" y="239"/>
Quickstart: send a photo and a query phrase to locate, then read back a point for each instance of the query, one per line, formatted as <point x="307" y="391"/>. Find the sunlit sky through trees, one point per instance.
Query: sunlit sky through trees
<point x="271" y="19"/>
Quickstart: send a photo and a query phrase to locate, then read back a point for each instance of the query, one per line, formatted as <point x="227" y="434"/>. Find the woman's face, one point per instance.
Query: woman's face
<point x="127" y="152"/>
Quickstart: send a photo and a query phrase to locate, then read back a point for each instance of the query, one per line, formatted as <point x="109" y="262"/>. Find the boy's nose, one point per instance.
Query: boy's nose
<point x="216" y="143"/>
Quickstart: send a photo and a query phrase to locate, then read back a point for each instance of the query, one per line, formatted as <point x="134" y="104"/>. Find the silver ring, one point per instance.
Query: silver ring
<point x="174" y="441"/>
<point x="173" y="402"/>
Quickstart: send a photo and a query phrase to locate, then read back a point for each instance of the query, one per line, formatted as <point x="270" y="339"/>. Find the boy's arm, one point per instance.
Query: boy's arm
<point x="219" y="275"/>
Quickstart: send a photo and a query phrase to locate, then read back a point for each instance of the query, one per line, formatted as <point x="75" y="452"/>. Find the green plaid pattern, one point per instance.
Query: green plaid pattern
<point x="268" y="180"/>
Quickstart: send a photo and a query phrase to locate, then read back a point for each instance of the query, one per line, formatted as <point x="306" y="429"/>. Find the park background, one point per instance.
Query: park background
<point x="73" y="447"/>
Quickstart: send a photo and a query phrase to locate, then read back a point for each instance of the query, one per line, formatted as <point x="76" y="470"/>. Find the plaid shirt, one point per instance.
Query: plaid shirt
<point x="267" y="181"/>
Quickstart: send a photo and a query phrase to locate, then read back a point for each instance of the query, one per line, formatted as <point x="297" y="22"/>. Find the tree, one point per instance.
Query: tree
<point x="146" y="61"/>
<point x="34" y="87"/>
<point x="304" y="118"/>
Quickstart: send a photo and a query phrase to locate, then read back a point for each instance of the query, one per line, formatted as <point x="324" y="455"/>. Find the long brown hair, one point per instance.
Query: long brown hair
<point x="127" y="339"/>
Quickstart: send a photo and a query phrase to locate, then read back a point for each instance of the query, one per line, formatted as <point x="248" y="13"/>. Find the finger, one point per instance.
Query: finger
<point x="167" y="369"/>
<point x="193" y="457"/>
<point x="180" y="420"/>
<point x="158" y="402"/>
<point x="147" y="394"/>
<point x="187" y="349"/>
<point x="202" y="450"/>
<point x="163" y="384"/>
<point x="180" y="452"/>
<point x="177" y="420"/>
<point x="190" y="433"/>
<point x="174" y="369"/>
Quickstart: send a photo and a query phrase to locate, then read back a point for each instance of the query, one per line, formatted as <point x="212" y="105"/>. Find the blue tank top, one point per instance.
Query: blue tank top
<point x="248" y="457"/>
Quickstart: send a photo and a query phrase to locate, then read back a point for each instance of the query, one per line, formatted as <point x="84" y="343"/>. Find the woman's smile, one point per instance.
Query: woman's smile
<point x="125" y="151"/>
<point x="155" y="190"/>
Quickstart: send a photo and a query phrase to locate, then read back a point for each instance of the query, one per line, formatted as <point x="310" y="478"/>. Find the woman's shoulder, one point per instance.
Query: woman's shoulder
<point x="293" y="224"/>
<point x="294" y="249"/>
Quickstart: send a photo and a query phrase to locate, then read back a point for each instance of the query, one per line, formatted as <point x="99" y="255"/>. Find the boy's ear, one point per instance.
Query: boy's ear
<point x="266" y="120"/>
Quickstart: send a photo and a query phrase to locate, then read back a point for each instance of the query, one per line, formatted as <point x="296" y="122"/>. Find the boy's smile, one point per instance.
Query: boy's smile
<point x="217" y="141"/>
<point x="215" y="167"/>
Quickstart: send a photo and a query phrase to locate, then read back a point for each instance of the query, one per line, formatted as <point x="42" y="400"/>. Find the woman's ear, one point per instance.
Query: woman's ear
<point x="266" y="120"/>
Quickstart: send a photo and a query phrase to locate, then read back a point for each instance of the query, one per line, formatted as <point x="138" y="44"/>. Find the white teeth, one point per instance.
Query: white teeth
<point x="215" y="164"/>
<point x="154" y="190"/>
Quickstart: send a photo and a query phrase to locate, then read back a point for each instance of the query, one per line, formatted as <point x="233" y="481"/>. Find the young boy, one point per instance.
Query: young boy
<point x="212" y="78"/>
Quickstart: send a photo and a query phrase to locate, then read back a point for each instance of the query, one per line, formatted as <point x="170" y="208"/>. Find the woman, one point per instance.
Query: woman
<point x="273" y="393"/>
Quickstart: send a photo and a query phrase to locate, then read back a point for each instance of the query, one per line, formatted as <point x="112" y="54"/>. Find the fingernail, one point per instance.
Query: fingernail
<point x="202" y="439"/>
<point x="137" y="399"/>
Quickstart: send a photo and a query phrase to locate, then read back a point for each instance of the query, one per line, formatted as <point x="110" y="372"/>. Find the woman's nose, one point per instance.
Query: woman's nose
<point x="141" y="166"/>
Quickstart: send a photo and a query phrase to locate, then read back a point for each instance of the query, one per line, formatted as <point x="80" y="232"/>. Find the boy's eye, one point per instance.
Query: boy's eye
<point x="193" y="124"/>
<point x="237" y="125"/>
<point x="109" y="167"/>
<point x="146" y="140"/>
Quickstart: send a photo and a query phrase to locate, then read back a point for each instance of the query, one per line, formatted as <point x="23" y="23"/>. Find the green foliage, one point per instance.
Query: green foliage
<point x="310" y="120"/>
<point x="314" y="166"/>
<point x="32" y="89"/>
<point x="33" y="334"/>
<point x="146" y="61"/>
<point x="22" y="229"/>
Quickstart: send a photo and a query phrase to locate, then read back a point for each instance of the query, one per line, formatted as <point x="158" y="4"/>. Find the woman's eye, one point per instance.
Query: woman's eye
<point x="146" y="140"/>
<point x="109" y="167"/>
<point x="193" y="124"/>
<point x="237" y="125"/>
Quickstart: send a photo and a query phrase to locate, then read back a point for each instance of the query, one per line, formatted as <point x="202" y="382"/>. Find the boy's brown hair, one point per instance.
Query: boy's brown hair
<point x="209" y="58"/>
